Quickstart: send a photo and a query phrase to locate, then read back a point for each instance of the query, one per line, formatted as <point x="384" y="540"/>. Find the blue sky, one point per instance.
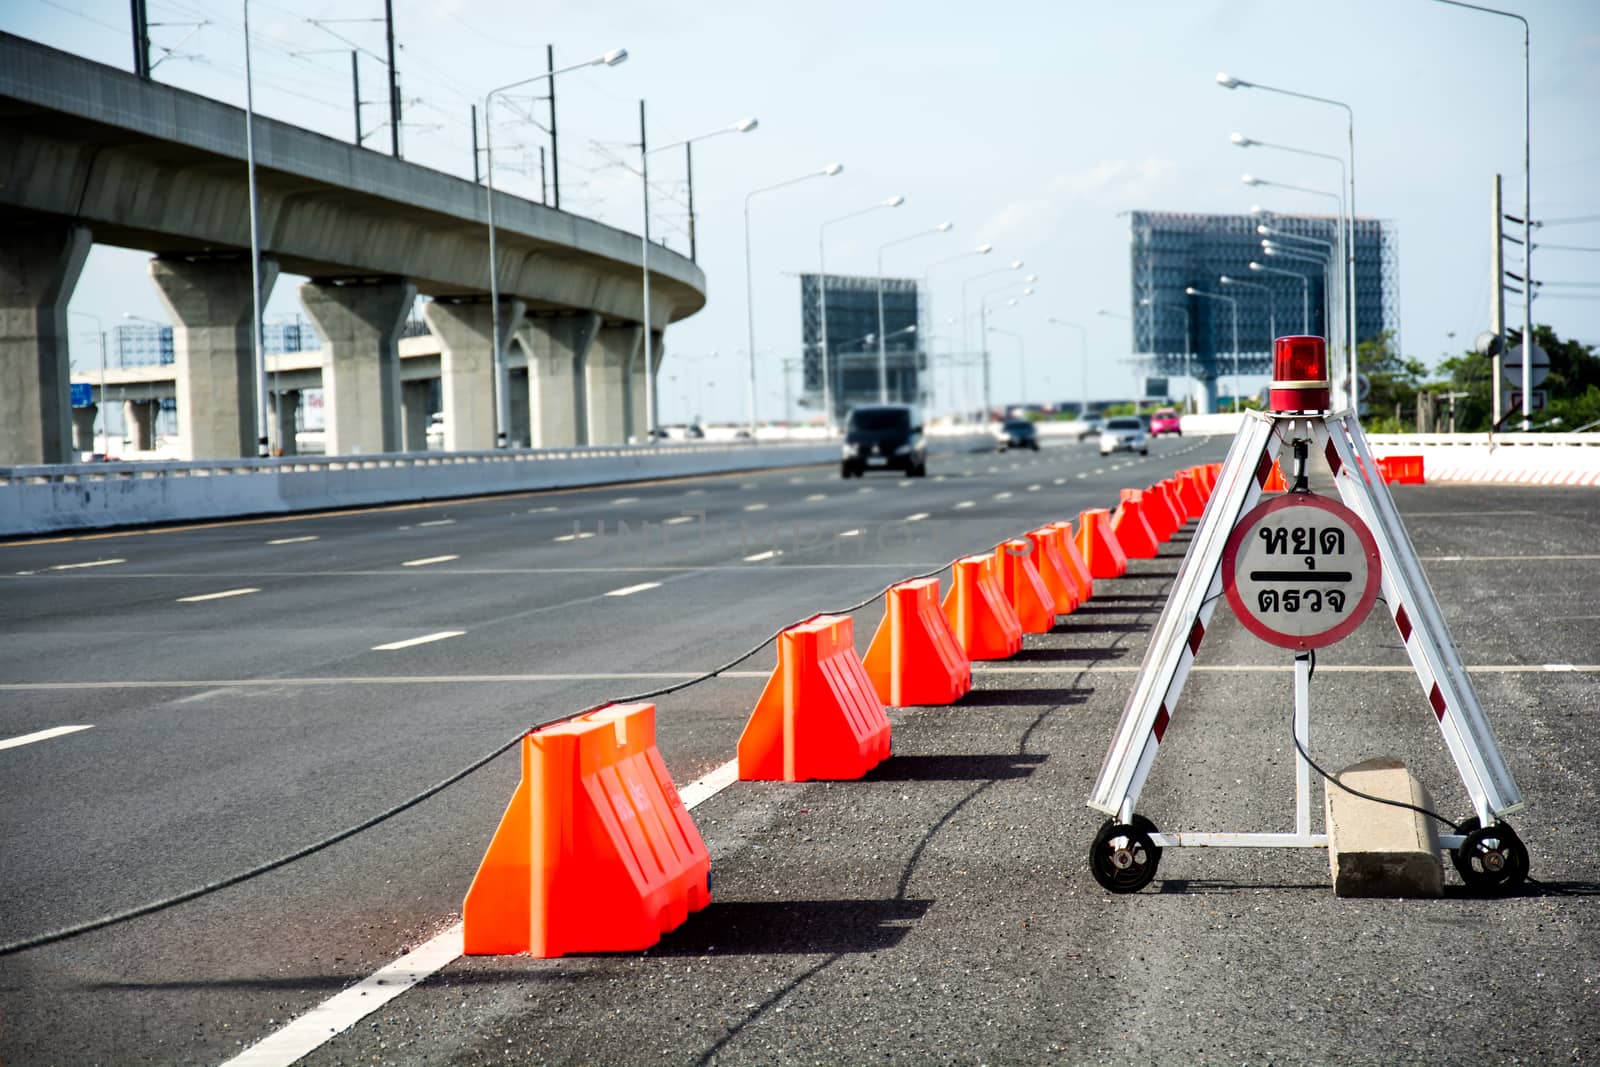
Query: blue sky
<point x="1029" y="125"/>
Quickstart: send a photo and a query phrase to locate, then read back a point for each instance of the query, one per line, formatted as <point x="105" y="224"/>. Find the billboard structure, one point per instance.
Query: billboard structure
<point x="1175" y="251"/>
<point x="852" y="309"/>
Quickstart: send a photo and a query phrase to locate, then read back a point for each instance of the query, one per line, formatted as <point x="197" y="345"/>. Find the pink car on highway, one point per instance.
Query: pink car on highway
<point x="1165" y="420"/>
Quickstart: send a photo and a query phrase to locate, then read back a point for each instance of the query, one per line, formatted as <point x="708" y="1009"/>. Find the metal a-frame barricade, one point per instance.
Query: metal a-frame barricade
<point x="1125" y="852"/>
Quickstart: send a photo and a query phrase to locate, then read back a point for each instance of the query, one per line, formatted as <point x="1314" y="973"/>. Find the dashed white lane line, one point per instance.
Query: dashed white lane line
<point x="759" y="556"/>
<point x="851" y="533"/>
<point x="965" y="504"/>
<point x="1002" y="496"/>
<point x="626" y="500"/>
<point x="581" y="535"/>
<point x="410" y="642"/>
<point x="428" y="561"/>
<point x="217" y="596"/>
<point x="293" y="540"/>
<point x="337" y="1014"/>
<point x="629" y="590"/>
<point x="543" y="511"/>
<point x="1035" y="487"/>
<point x="677" y="520"/>
<point x="755" y="507"/>
<point x="438" y="522"/>
<point x="1081" y="474"/>
<point x="1058" y="481"/>
<point x="90" y="563"/>
<point x="918" y="517"/>
<point x="43" y="735"/>
<point x="817" y="496"/>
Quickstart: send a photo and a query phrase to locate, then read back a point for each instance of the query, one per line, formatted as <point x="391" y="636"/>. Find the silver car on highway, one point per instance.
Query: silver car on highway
<point x="1124" y="434"/>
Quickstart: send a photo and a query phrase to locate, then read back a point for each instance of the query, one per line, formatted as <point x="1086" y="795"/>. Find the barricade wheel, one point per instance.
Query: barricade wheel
<point x="1123" y="858"/>
<point x="1491" y="857"/>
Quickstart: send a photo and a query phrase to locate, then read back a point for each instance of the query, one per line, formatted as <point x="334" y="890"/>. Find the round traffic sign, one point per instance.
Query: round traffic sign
<point x="1301" y="571"/>
<point x="1511" y="368"/>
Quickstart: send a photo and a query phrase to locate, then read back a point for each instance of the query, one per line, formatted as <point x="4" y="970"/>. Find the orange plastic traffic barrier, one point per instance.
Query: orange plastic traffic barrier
<point x="914" y="657"/>
<point x="1275" y="481"/>
<point x="1058" y="578"/>
<point x="1159" y="514"/>
<point x="979" y="614"/>
<point x="1099" y="545"/>
<point x="1132" y="528"/>
<point x="1167" y="490"/>
<point x="1077" y="566"/>
<point x="1213" y="472"/>
<point x="596" y="851"/>
<point x="1191" y="495"/>
<point x="818" y="717"/>
<point x="1406" y="470"/>
<point x="1024" y="590"/>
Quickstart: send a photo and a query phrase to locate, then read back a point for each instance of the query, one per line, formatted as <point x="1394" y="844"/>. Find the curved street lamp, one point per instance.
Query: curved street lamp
<point x="822" y="297"/>
<point x="1233" y="306"/>
<point x="883" y="350"/>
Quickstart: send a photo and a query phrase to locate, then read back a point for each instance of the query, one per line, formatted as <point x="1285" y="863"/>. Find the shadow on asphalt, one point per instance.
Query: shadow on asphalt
<point x="1023" y="698"/>
<point x="793" y="927"/>
<point x="954" y="768"/>
<point x="1128" y="598"/>
<point x="1105" y="609"/>
<point x="1087" y="627"/>
<point x="1059" y="655"/>
<point x="335" y="983"/>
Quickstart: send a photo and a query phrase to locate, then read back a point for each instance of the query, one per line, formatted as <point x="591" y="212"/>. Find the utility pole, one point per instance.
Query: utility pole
<point x="394" y="82"/>
<point x="1497" y="300"/>
<point x="555" y="151"/>
<point x="477" y="178"/>
<point x="141" y="40"/>
<point x="688" y="166"/>
<point x="355" y="88"/>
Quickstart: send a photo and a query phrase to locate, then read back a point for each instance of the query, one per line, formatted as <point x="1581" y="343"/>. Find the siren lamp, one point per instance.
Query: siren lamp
<point x="1299" y="375"/>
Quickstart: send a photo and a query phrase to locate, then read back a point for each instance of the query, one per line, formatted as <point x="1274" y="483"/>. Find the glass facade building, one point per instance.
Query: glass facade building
<point x="852" y="308"/>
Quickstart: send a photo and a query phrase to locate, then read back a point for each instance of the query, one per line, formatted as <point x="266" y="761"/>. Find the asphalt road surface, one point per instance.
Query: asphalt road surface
<point x="939" y="911"/>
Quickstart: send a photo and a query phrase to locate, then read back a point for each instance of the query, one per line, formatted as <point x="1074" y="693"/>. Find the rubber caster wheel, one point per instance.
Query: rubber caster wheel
<point x="1122" y="858"/>
<point x="1490" y="858"/>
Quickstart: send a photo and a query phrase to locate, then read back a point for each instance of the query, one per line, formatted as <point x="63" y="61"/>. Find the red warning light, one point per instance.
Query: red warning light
<point x="1299" y="375"/>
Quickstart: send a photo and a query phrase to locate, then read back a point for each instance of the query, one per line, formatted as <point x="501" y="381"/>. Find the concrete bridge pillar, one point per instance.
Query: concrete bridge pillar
<point x="83" y="435"/>
<point x="212" y="314"/>
<point x="360" y="322"/>
<point x="38" y="270"/>
<point x="638" y="424"/>
<point x="606" y="383"/>
<point x="558" y="350"/>
<point x="466" y="366"/>
<point x="285" y="408"/>
<point x="416" y="408"/>
<point x="140" y="417"/>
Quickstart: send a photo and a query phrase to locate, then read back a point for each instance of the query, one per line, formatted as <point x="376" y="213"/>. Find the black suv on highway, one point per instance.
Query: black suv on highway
<point x="884" y="437"/>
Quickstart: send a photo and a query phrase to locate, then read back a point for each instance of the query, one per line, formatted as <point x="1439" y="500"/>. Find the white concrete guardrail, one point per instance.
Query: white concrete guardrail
<point x="43" y="499"/>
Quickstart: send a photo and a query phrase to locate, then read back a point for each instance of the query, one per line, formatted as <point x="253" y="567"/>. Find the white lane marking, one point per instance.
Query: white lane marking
<point x="865" y="489"/>
<point x="626" y="500"/>
<point x="1082" y="475"/>
<point x="91" y="563"/>
<point x="1503" y="559"/>
<point x="938" y="478"/>
<point x="580" y="536"/>
<point x="45" y="735"/>
<point x="216" y="596"/>
<point x="1562" y="667"/>
<point x="293" y="540"/>
<point x="759" y="556"/>
<point x="965" y="504"/>
<point x="1002" y="496"/>
<point x="817" y="496"/>
<point x="1034" y="488"/>
<point x="918" y="517"/>
<point x="1058" y="481"/>
<point x="629" y="590"/>
<point x="543" y="511"/>
<point x="1098" y="470"/>
<point x="695" y="492"/>
<point x="797" y="481"/>
<point x="907" y="484"/>
<point x="338" y="1013"/>
<point x="410" y="642"/>
<point x="677" y="520"/>
<point x="851" y="533"/>
<point x="438" y="522"/>
<point x="428" y="561"/>
<point x="755" y="507"/>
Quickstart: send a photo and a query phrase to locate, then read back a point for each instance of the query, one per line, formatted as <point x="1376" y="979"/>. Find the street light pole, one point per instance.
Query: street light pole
<point x="822" y="299"/>
<point x="1305" y="290"/>
<point x="883" y="342"/>
<point x="1233" y="306"/>
<point x="1527" y="212"/>
<point x="1161" y="305"/>
<point x="502" y="390"/>
<point x="749" y="284"/>
<point x="1272" y="310"/>
<point x="1349" y="267"/>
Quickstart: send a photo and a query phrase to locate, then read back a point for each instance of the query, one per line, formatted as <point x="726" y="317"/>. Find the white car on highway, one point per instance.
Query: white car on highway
<point x="1124" y="434"/>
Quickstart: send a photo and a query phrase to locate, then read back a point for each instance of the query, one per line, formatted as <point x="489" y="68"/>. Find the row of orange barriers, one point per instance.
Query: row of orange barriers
<point x="1404" y="470"/>
<point x="597" y="852"/>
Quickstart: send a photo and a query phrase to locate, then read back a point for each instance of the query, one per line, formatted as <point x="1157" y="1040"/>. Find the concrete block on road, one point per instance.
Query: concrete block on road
<point x="1379" y="850"/>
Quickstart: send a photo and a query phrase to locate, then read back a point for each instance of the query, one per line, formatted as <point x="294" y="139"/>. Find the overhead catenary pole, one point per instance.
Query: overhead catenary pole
<point x="355" y="94"/>
<point x="555" y="148"/>
<point x="394" y="81"/>
<point x="255" y="244"/>
<point x="688" y="167"/>
<point x="141" y="40"/>
<point x="477" y="178"/>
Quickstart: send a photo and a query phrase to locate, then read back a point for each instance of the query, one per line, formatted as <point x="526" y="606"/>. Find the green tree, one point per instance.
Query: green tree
<point x="1394" y="380"/>
<point x="1573" y="385"/>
